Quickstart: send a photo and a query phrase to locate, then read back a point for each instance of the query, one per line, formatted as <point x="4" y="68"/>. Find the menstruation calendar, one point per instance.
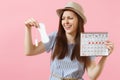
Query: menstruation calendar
<point x="92" y="44"/>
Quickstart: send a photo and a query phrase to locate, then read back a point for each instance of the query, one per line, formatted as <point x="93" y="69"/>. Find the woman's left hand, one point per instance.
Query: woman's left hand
<point x="110" y="46"/>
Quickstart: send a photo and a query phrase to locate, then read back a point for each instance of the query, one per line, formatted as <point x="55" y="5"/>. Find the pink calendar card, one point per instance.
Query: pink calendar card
<point x="92" y="44"/>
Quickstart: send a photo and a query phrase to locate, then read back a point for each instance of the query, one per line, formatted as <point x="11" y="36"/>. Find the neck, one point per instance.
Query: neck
<point x="71" y="37"/>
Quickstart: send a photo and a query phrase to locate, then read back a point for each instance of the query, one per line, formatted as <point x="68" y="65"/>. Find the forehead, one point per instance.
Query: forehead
<point x="68" y="13"/>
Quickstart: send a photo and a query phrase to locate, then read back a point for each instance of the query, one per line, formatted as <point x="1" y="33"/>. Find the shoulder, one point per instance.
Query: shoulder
<point x="53" y="34"/>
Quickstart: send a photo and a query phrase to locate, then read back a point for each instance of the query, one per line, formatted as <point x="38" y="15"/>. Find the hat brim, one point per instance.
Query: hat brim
<point x="60" y="11"/>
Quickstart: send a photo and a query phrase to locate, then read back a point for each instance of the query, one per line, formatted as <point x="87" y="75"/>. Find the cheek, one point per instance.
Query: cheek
<point x="75" y="21"/>
<point x="62" y="22"/>
<point x="75" y="24"/>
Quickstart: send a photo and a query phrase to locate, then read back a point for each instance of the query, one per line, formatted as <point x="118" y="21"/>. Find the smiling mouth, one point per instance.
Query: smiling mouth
<point x="67" y="27"/>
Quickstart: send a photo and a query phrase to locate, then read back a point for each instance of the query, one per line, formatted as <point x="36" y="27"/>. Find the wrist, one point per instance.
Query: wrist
<point x="28" y="28"/>
<point x="103" y="59"/>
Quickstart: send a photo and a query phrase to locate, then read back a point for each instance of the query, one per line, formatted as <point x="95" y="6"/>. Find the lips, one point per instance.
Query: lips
<point x="67" y="27"/>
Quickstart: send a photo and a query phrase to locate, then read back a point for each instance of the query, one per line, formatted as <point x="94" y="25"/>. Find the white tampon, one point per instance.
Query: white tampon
<point x="42" y="30"/>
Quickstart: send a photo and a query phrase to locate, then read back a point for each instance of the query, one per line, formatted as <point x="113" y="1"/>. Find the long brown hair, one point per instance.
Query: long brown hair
<point x="61" y="46"/>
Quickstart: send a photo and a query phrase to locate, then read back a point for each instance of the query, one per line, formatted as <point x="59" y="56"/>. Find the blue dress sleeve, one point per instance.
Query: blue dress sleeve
<point x="49" y="45"/>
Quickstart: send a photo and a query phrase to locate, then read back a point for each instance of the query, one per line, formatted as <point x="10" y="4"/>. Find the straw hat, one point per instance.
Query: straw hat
<point x="74" y="7"/>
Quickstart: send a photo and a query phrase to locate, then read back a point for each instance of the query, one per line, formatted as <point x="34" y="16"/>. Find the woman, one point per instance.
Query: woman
<point x="66" y="62"/>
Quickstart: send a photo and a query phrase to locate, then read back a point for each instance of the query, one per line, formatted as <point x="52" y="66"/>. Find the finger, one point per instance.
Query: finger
<point x="32" y="19"/>
<point x="108" y="43"/>
<point x="110" y="49"/>
<point x="31" y="22"/>
<point x="27" y="23"/>
<point x="109" y="46"/>
<point x="35" y="22"/>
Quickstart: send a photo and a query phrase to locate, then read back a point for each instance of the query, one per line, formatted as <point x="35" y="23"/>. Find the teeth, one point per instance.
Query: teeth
<point x="67" y="26"/>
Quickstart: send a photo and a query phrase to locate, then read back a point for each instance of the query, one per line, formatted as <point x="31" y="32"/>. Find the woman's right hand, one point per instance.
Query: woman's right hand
<point x="31" y="23"/>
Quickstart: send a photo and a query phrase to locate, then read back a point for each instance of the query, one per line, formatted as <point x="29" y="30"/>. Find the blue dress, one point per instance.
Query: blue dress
<point x="64" y="68"/>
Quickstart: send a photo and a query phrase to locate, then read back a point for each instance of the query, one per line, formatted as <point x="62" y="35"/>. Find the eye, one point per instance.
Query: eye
<point x="70" y="17"/>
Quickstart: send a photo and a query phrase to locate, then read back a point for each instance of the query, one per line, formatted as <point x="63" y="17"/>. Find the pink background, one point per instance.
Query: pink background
<point x="102" y="15"/>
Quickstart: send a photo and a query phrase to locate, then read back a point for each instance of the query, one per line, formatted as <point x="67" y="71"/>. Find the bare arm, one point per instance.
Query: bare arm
<point x="94" y="70"/>
<point x="30" y="48"/>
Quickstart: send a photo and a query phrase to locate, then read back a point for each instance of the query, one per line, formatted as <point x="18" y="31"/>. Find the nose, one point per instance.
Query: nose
<point x="66" y="21"/>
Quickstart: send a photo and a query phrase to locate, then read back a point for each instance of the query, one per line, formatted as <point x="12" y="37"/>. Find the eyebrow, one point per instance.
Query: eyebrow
<point x="67" y="16"/>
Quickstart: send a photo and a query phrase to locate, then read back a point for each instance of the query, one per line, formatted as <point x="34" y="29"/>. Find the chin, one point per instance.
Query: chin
<point x="68" y="32"/>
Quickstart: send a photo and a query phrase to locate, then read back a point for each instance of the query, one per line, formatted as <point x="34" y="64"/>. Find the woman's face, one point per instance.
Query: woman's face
<point x="69" y="22"/>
